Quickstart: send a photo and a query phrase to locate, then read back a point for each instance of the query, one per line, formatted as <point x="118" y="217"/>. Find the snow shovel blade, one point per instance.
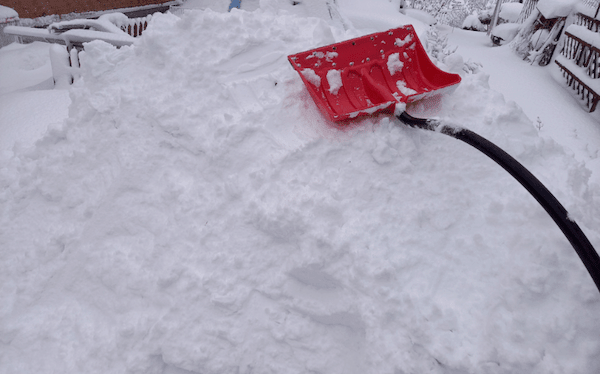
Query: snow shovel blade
<point x="371" y="73"/>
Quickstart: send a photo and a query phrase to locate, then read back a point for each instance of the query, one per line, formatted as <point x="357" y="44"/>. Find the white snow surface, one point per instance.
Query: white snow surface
<point x="311" y="76"/>
<point x="421" y="15"/>
<point x="195" y="213"/>
<point x="556" y="8"/>
<point x="511" y="11"/>
<point x="7" y="14"/>
<point x="25" y="66"/>
<point x="406" y="91"/>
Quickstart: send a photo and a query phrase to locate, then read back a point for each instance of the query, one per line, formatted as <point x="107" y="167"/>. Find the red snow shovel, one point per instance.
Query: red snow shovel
<point x="371" y="74"/>
<point x="376" y="72"/>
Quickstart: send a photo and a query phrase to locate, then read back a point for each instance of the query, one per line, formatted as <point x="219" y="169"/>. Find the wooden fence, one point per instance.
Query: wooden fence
<point x="580" y="65"/>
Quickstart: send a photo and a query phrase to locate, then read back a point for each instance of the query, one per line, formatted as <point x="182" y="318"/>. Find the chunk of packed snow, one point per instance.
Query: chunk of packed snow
<point x="311" y="76"/>
<point x="317" y="54"/>
<point x="110" y="22"/>
<point x="24" y="67"/>
<point x="371" y="110"/>
<point x="334" y="79"/>
<point x="406" y="91"/>
<point x="402" y="42"/>
<point x="394" y="64"/>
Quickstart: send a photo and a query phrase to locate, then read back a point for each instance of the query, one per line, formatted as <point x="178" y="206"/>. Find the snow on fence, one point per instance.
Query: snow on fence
<point x="580" y="63"/>
<point x="587" y="21"/>
<point x="135" y="26"/>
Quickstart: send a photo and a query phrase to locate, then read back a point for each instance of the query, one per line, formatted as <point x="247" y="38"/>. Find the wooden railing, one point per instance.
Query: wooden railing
<point x="580" y="63"/>
<point x="587" y="21"/>
<point x="136" y="26"/>
<point x="589" y="97"/>
<point x="583" y="54"/>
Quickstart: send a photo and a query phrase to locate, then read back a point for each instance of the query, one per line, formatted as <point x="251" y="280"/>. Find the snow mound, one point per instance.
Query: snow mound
<point x="556" y="8"/>
<point x="511" y="11"/>
<point x="196" y="213"/>
<point x="7" y="14"/>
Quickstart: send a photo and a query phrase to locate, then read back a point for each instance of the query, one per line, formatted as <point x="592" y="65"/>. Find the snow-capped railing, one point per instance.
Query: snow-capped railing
<point x="583" y="53"/>
<point x="587" y="21"/>
<point x="110" y="22"/>
<point x="579" y="63"/>
<point x="134" y="26"/>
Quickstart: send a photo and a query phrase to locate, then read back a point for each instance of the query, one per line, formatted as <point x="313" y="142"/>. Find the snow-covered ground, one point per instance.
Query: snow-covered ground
<point x="185" y="208"/>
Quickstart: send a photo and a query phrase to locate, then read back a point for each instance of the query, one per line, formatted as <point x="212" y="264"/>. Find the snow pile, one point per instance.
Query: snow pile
<point x="7" y="14"/>
<point x="51" y="105"/>
<point x="394" y="64"/>
<point x="196" y="213"/>
<point x="25" y="66"/>
<point x="406" y="91"/>
<point x="311" y="76"/>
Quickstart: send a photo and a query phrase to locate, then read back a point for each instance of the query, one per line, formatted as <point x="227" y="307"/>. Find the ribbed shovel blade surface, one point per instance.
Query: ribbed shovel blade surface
<point x="371" y="73"/>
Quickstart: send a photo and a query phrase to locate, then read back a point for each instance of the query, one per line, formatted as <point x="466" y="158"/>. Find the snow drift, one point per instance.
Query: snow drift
<point x="196" y="213"/>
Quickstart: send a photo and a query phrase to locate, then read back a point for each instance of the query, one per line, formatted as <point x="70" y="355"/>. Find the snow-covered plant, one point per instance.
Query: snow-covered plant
<point x="539" y="124"/>
<point x="437" y="45"/>
<point x="451" y="12"/>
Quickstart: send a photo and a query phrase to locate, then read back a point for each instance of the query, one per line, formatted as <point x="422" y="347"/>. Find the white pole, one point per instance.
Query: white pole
<point x="495" y="16"/>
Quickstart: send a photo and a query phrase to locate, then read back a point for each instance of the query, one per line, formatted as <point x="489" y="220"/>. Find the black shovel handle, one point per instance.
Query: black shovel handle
<point x="559" y="214"/>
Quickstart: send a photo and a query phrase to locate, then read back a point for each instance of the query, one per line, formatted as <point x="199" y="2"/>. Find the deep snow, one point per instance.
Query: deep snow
<point x="196" y="213"/>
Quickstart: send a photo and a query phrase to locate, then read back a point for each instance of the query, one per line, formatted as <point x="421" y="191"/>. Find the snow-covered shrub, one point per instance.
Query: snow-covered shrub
<point x="473" y="23"/>
<point x="450" y="12"/>
<point x="446" y="57"/>
<point x="421" y="15"/>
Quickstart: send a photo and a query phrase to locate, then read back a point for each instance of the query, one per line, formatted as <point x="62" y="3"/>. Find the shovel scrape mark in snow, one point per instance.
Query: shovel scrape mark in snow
<point x="314" y="278"/>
